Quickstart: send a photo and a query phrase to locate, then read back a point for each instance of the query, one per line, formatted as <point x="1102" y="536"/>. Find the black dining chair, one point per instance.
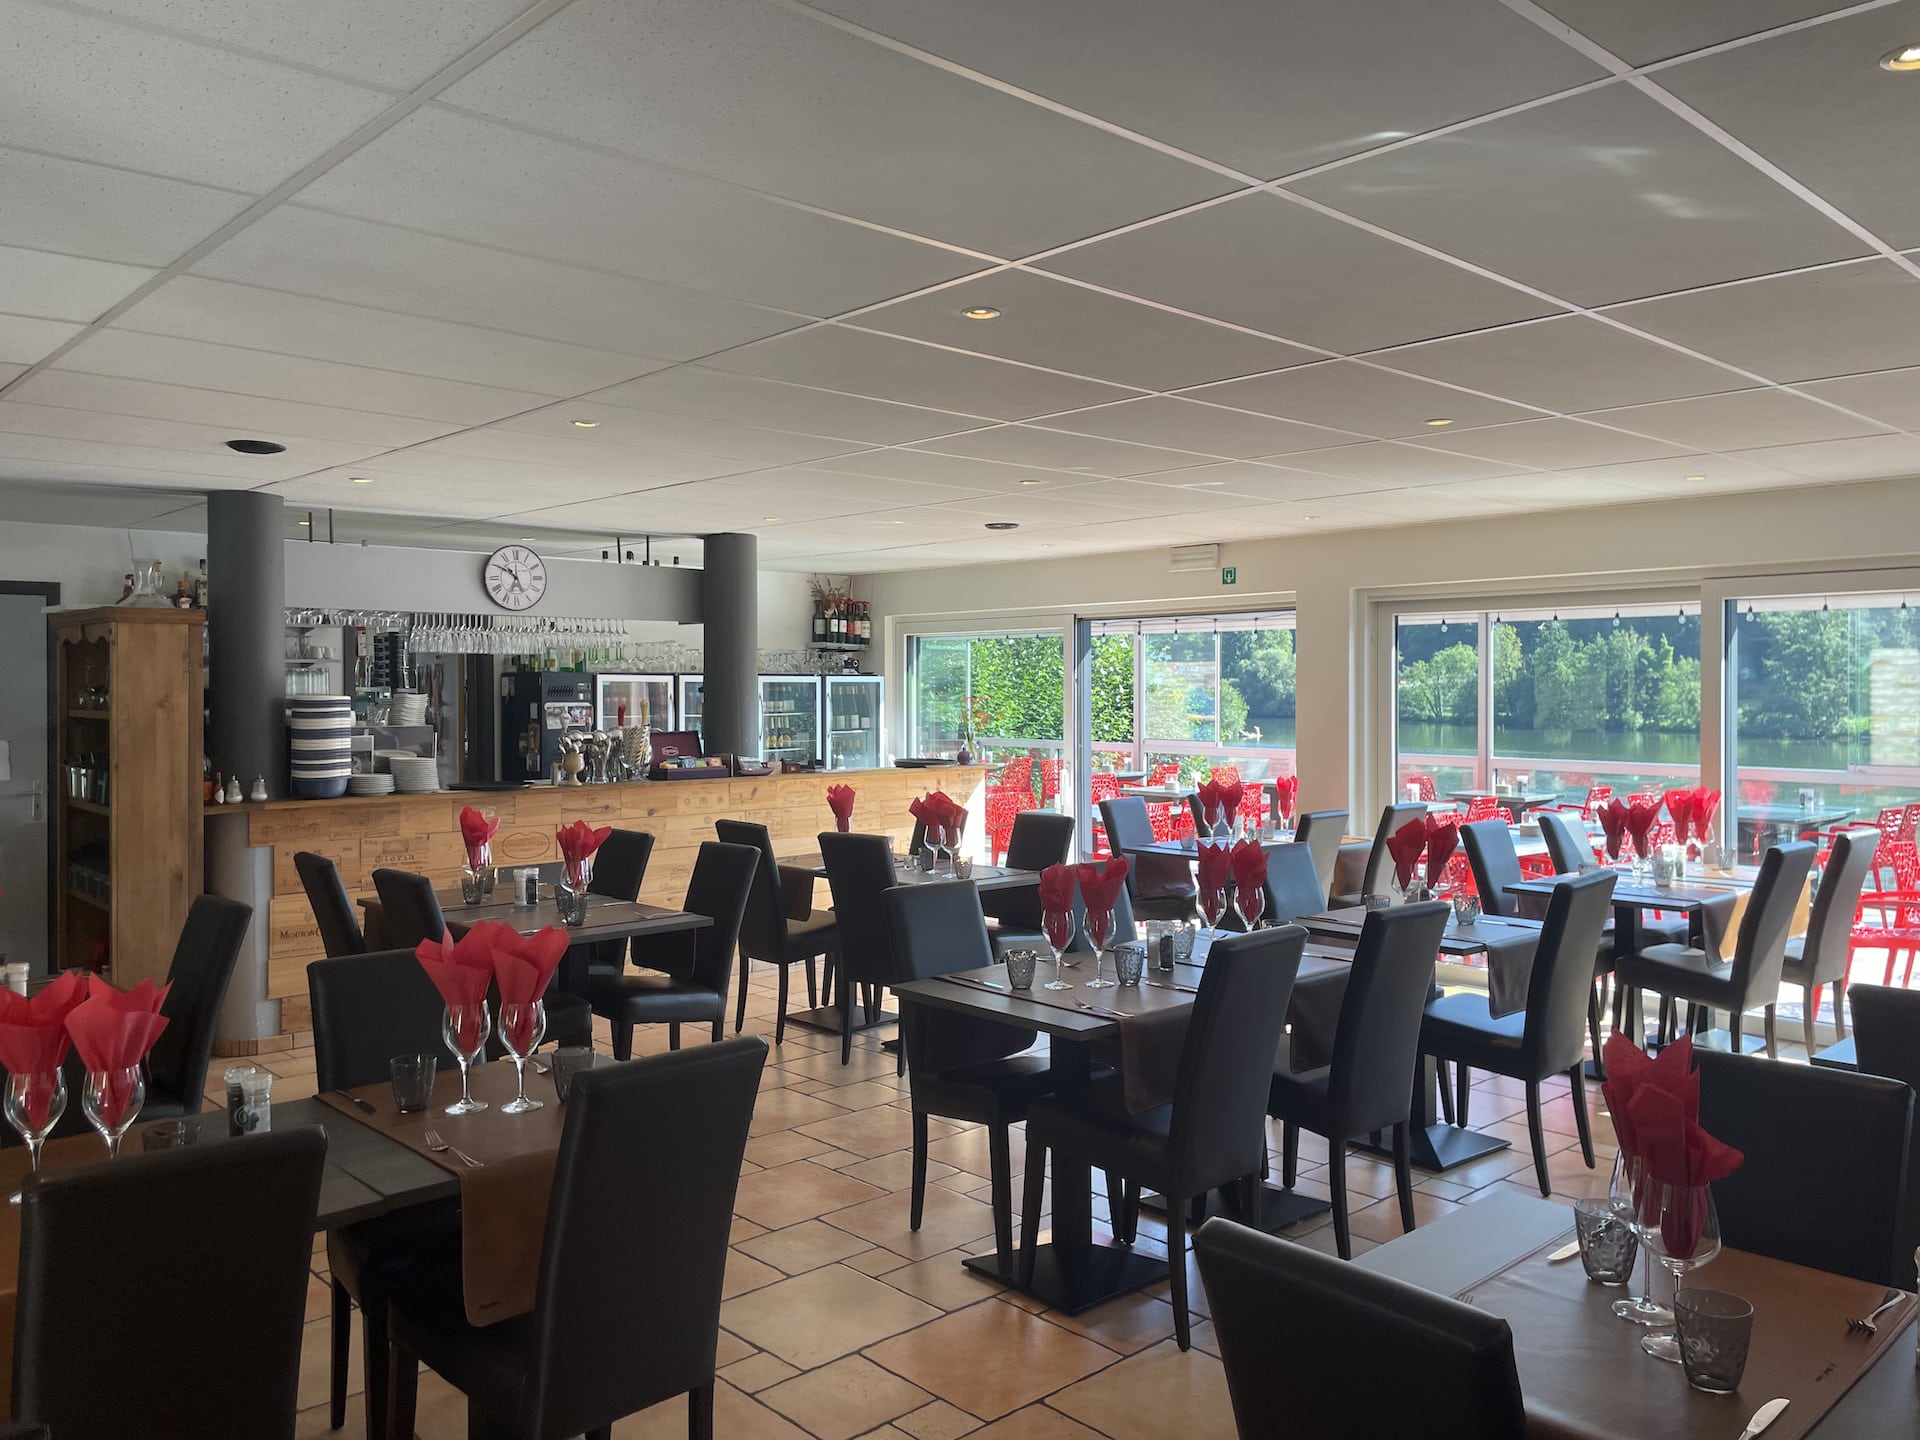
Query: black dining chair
<point x="690" y="983"/>
<point x="1546" y="1039"/>
<point x="1379" y="861"/>
<point x="232" y="1231"/>
<point x="1161" y="886"/>
<point x="768" y="933"/>
<point x="1296" y="1327"/>
<point x="1568" y="845"/>
<point x="1293" y="883"/>
<point x="960" y="1067"/>
<point x="1039" y="838"/>
<point x="203" y="962"/>
<point x="859" y="872"/>
<point x="1886" y="1040"/>
<point x="1212" y="1133"/>
<point x="642" y="1203"/>
<point x="1824" y="1180"/>
<point x="1752" y="977"/>
<point x="25" y="1430"/>
<point x="619" y="870"/>
<point x="1820" y="957"/>
<point x="409" y="910"/>
<point x="366" y="1010"/>
<point x="1321" y="831"/>
<point x="1376" y="1052"/>
<point x="332" y="906"/>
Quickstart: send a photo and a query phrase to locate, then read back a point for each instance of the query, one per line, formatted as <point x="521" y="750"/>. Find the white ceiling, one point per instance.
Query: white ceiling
<point x="1243" y="252"/>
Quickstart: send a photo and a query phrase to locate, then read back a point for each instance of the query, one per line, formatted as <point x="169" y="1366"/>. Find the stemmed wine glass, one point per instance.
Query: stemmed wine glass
<point x="1683" y="1228"/>
<point x="112" y="1101"/>
<point x="1058" y="926"/>
<point x="1099" y="931"/>
<point x="1213" y="906"/>
<point x="1624" y="1191"/>
<point x="34" y="1105"/>
<point x="522" y="1027"/>
<point x="465" y="1029"/>
<point x="1250" y="902"/>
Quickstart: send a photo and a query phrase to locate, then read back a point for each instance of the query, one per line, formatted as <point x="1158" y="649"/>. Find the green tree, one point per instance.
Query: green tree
<point x="1260" y="664"/>
<point x="1806" y="676"/>
<point x="1112" y="686"/>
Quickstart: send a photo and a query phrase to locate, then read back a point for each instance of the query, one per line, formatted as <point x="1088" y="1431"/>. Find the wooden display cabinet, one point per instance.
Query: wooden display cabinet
<point x="127" y="707"/>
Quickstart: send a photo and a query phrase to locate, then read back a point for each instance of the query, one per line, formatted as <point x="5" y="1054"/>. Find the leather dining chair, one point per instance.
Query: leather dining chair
<point x="1211" y="1133"/>
<point x="1293" y="884"/>
<point x="203" y="962"/>
<point x="859" y="871"/>
<point x="1376" y="1051"/>
<point x="1321" y="831"/>
<point x="232" y="1231"/>
<point x="1161" y="886"/>
<point x="332" y="907"/>
<point x="1824" y="1180"/>
<point x="768" y="933"/>
<point x="1820" y="957"/>
<point x="694" y="989"/>
<point x="1752" y="977"/>
<point x="409" y="910"/>
<point x="366" y="1010"/>
<point x="960" y="1067"/>
<point x="1548" y="1038"/>
<point x="1886" y="1037"/>
<point x="1568" y="845"/>
<point x="1374" y="878"/>
<point x="1295" y="1328"/>
<point x="587" y="1355"/>
<point x="1040" y="838"/>
<point x="619" y="870"/>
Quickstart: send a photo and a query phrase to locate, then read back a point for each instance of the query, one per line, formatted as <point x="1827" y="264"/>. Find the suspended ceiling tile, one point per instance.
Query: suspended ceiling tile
<point x="71" y="207"/>
<point x="1054" y="449"/>
<point x="1551" y="444"/>
<point x="1892" y="396"/>
<point x="1741" y="420"/>
<point x="208" y="442"/>
<point x="1642" y="31"/>
<point x="62" y="287"/>
<point x="1868" y="457"/>
<point x="1362" y="399"/>
<point x="1174" y="423"/>
<point x="25" y="339"/>
<point x="1388" y="462"/>
<point x="619" y="433"/>
<point x="748" y="399"/>
<point x="1262" y="482"/>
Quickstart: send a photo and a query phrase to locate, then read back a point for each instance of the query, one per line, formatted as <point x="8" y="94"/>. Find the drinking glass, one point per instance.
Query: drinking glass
<point x="112" y="1102"/>
<point x="1624" y="1190"/>
<point x="1608" y="1246"/>
<point x="1715" y="1332"/>
<point x="569" y="1061"/>
<point x="1681" y="1226"/>
<point x="412" y="1077"/>
<point x="1213" y="905"/>
<point x="1099" y="931"/>
<point x="522" y="1028"/>
<point x="465" y="1029"/>
<point x="1249" y="903"/>
<point x="937" y="842"/>
<point x="34" y="1105"/>
<point x="1058" y="926"/>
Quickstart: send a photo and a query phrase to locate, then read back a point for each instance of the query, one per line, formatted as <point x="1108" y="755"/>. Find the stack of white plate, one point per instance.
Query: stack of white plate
<point x="370" y="784"/>
<point x="409" y="708"/>
<point x="320" y="742"/>
<point x="414" y="775"/>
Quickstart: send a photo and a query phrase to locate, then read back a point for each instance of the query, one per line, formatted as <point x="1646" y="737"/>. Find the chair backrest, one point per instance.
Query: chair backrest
<point x="763" y="930"/>
<point x="1886" y="1032"/>
<point x="859" y="870"/>
<point x="1040" y="838"/>
<point x="202" y="965"/>
<point x="1830" y="924"/>
<point x="1379" y="863"/>
<point x="1496" y="865"/>
<point x="618" y="1227"/>
<point x="332" y="907"/>
<point x="1293" y="883"/>
<point x="1377" y="1042"/>
<point x="410" y="911"/>
<point x="233" y="1223"/>
<point x="368" y="1009"/>
<point x="937" y="930"/>
<point x="1824" y="1179"/>
<point x="721" y="882"/>
<point x="1291" y="1322"/>
<point x="1760" y="952"/>
<point x="1126" y="822"/>
<point x="1217" y="1132"/>
<point x="1568" y="845"/>
<point x="1321" y="831"/>
<point x="1555" y="1036"/>
<point x="620" y="865"/>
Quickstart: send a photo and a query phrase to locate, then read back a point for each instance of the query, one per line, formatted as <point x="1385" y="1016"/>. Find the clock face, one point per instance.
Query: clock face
<point x="515" y="577"/>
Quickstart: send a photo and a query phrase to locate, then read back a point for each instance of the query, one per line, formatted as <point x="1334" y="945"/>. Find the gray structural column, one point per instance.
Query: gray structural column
<point x="730" y="614"/>
<point x="246" y="637"/>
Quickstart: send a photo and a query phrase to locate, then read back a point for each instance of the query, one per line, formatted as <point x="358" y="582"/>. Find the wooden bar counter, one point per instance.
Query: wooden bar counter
<point x="422" y="833"/>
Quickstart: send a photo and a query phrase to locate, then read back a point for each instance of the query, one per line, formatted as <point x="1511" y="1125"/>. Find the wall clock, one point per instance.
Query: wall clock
<point x="515" y="577"/>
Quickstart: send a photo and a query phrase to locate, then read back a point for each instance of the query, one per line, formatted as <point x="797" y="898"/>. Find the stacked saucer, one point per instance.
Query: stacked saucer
<point x="320" y="743"/>
<point x="409" y="707"/>
<point x="414" y="774"/>
<point x="370" y="784"/>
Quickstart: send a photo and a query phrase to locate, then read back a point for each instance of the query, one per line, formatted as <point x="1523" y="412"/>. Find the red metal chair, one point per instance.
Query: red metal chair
<point x="1049" y="783"/>
<point x="1899" y="908"/>
<point x="1428" y="791"/>
<point x="1103" y="785"/>
<point x="1003" y="804"/>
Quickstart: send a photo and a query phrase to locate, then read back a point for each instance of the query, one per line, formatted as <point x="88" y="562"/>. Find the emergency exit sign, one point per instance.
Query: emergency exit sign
<point x="1229" y="575"/>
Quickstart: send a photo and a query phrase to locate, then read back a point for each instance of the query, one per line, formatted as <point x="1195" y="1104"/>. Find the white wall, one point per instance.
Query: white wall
<point x="88" y="562"/>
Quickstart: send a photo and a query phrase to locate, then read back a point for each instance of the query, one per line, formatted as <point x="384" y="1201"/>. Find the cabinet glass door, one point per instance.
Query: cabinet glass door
<point x="790" y="717"/>
<point x="636" y="700"/>
<point x="854" y="723"/>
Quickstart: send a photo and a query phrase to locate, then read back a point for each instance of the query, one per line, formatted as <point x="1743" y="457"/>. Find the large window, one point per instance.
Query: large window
<point x="1002" y="694"/>
<point x="1567" y="698"/>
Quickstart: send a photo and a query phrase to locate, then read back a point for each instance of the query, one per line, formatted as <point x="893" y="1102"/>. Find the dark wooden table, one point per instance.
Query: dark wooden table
<point x="1787" y="822"/>
<point x="1518" y="802"/>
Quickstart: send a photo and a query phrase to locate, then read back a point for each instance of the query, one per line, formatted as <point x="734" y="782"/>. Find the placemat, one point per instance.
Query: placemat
<point x="1585" y="1376"/>
<point x="503" y="1205"/>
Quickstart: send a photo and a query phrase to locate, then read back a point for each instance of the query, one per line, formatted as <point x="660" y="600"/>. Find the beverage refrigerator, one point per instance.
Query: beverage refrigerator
<point x="537" y="709"/>
<point x="790" y="718"/>
<point x="854" y="721"/>
<point x="622" y="700"/>
<point x="689" y="688"/>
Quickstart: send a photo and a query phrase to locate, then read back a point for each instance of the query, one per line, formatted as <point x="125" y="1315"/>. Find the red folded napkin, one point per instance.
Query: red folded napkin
<point x="1249" y="864"/>
<point x="840" y="802"/>
<point x="1629" y="1070"/>
<point x="1216" y="867"/>
<point x="1286" y="790"/>
<point x="578" y="841"/>
<point x="460" y="972"/>
<point x="1100" y="884"/>
<point x="938" y="811"/>
<point x="34" y="1041"/>
<point x="1680" y="1155"/>
<point x="1405" y="845"/>
<point x="113" y="1030"/>
<point x="1613" y="820"/>
<point x="1056" y="890"/>
<point x="1443" y="835"/>
<point x="1212" y="803"/>
<point x="522" y="967"/>
<point x="1679" y="810"/>
<point x="1641" y="816"/>
<point x="1705" y="802"/>
<point x="477" y="831"/>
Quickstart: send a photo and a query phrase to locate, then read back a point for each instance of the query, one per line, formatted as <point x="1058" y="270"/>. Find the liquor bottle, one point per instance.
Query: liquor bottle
<point x="200" y="588"/>
<point x="819" y="624"/>
<point x="183" y="592"/>
<point x="866" y="623"/>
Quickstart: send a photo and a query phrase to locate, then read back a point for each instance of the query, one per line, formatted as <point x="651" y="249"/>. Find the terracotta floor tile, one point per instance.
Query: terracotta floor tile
<point x="865" y="1065"/>
<point x="783" y="1110"/>
<point x="1036" y="1422"/>
<point x="730" y="1348"/>
<point x="823" y="1315"/>
<point x="757" y="1372"/>
<point x="894" y="1170"/>
<point x="803" y="1247"/>
<point x="745" y="1273"/>
<point x="1127" y="1323"/>
<point x="942" y="1280"/>
<point x="788" y="1194"/>
<point x="781" y="1147"/>
<point x="316" y="1364"/>
<point x="736" y="1416"/>
<point x="968" y="1150"/>
<point x="871" y="1132"/>
<point x="864" y="1095"/>
<point x="938" y="1421"/>
<point x="991" y="1359"/>
<point x="847" y="1398"/>
<point x="877" y="1261"/>
<point x="1380" y="1221"/>
<point x="743" y="1230"/>
<point x="1159" y="1392"/>
<point x="947" y="1220"/>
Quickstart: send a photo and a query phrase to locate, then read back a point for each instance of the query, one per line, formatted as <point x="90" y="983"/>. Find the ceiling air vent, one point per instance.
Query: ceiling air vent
<point x="1193" y="557"/>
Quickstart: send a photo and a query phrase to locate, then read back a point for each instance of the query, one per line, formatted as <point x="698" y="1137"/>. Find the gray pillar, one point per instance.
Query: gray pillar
<point x="246" y="637"/>
<point x="730" y="615"/>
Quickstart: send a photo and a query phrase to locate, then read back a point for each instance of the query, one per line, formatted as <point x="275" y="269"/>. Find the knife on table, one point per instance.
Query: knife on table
<point x="365" y="1106"/>
<point x="1763" y="1417"/>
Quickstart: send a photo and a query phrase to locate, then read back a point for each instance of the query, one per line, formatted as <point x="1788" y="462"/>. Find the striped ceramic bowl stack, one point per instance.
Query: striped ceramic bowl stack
<point x="320" y="742"/>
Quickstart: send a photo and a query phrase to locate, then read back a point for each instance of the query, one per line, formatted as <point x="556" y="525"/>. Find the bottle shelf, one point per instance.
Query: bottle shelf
<point x="85" y="899"/>
<point x="86" y="805"/>
<point x="73" y="714"/>
<point x="836" y="645"/>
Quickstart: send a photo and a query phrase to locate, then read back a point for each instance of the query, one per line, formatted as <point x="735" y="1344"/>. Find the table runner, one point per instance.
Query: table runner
<point x="1585" y="1377"/>
<point x="503" y="1205"/>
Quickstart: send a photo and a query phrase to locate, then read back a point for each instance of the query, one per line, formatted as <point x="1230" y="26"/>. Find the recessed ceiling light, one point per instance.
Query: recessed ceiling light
<point x="256" y="447"/>
<point x="1696" y="477"/>
<point x="1003" y="524"/>
<point x="1440" y="420"/>
<point x="1203" y="484"/>
<point x="1029" y="482"/>
<point x="1309" y="517"/>
<point x="526" y="539"/>
<point x="306" y="522"/>
<point x="981" y="312"/>
<point x="588" y="424"/>
<point x="361" y="479"/>
<point x="770" y="519"/>
<point x="1906" y="57"/>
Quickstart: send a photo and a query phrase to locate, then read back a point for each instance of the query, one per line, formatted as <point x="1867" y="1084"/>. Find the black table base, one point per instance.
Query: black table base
<point x="1096" y="1274"/>
<point x="827" y="1018"/>
<point x="1279" y="1207"/>
<point x="1437" y="1148"/>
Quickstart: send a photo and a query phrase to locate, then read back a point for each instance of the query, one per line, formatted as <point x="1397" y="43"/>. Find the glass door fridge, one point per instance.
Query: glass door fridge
<point x="690" y="702"/>
<point x="790" y="717"/>
<point x="854" y="721"/>
<point x="643" y="700"/>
